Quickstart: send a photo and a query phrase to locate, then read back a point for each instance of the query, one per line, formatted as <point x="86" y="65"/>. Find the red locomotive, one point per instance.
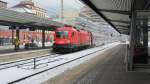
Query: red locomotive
<point x="69" y="38"/>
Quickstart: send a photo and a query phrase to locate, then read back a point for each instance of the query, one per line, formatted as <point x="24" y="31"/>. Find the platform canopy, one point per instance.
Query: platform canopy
<point x="10" y="17"/>
<point x="117" y="13"/>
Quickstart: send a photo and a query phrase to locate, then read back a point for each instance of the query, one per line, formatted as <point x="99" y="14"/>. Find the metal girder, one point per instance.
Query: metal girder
<point x="13" y="18"/>
<point x="125" y="32"/>
<point x="123" y="29"/>
<point x="147" y="5"/>
<point x="8" y="23"/>
<point x="116" y="11"/>
<point x="140" y="5"/>
<point x="90" y="4"/>
<point x="122" y="26"/>
<point x="120" y="21"/>
<point x="148" y="29"/>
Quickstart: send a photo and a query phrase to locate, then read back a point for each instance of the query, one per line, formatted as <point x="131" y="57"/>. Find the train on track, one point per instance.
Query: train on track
<point x="68" y="39"/>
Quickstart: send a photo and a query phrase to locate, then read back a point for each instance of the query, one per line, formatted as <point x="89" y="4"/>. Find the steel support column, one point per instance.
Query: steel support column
<point x="43" y="38"/>
<point x="12" y="33"/>
<point x="138" y="34"/>
<point x="132" y="41"/>
<point x="145" y="41"/>
<point x="17" y="40"/>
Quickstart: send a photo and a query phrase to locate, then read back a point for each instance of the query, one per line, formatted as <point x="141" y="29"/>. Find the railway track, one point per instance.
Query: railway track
<point x="38" y="65"/>
<point x="47" y="69"/>
<point x="30" y="61"/>
<point x="21" y="62"/>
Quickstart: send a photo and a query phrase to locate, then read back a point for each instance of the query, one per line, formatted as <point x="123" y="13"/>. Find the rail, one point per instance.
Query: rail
<point x="23" y="78"/>
<point x="25" y="61"/>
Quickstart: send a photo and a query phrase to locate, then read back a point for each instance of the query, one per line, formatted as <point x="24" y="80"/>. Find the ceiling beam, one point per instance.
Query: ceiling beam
<point x="91" y="5"/>
<point x="125" y="32"/>
<point x="115" y="11"/>
<point x="122" y="26"/>
<point x="147" y="5"/>
<point x="9" y="23"/>
<point x="123" y="29"/>
<point x="120" y="21"/>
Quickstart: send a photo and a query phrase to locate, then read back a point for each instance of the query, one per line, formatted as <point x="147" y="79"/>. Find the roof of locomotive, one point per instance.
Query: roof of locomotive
<point x="68" y="28"/>
<point x="71" y="28"/>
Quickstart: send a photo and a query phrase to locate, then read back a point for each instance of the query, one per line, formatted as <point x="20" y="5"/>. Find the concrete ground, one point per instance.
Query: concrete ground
<point x="106" y="68"/>
<point x="10" y="49"/>
<point x="6" y="47"/>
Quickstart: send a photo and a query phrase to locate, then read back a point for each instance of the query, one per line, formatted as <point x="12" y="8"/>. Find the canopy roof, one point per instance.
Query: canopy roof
<point x="9" y="17"/>
<point x="117" y="12"/>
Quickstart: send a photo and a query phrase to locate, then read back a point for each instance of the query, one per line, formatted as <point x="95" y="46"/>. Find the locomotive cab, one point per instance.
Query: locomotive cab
<point x="65" y="39"/>
<point x="70" y="39"/>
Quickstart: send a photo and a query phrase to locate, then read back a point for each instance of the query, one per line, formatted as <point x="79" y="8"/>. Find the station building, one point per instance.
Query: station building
<point x="28" y="6"/>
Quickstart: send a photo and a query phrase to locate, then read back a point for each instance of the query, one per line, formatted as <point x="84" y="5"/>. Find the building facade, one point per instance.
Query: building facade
<point x="3" y="4"/>
<point x="28" y="6"/>
<point x="39" y="11"/>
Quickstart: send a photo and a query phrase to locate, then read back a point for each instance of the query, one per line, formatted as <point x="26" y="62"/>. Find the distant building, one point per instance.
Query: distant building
<point x="3" y="4"/>
<point x="39" y="11"/>
<point x="28" y="6"/>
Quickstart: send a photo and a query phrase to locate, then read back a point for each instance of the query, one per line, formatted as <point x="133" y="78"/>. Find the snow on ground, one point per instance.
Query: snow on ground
<point x="15" y="73"/>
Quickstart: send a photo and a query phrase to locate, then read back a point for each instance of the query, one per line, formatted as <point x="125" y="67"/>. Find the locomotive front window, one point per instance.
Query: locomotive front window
<point x="62" y="34"/>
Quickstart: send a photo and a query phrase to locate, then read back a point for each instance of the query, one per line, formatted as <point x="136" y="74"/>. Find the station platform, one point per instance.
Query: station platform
<point x="10" y="49"/>
<point x="9" y="54"/>
<point x="107" y="68"/>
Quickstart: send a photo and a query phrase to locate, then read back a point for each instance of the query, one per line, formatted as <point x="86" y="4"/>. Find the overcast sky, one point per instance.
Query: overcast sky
<point x="52" y="6"/>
